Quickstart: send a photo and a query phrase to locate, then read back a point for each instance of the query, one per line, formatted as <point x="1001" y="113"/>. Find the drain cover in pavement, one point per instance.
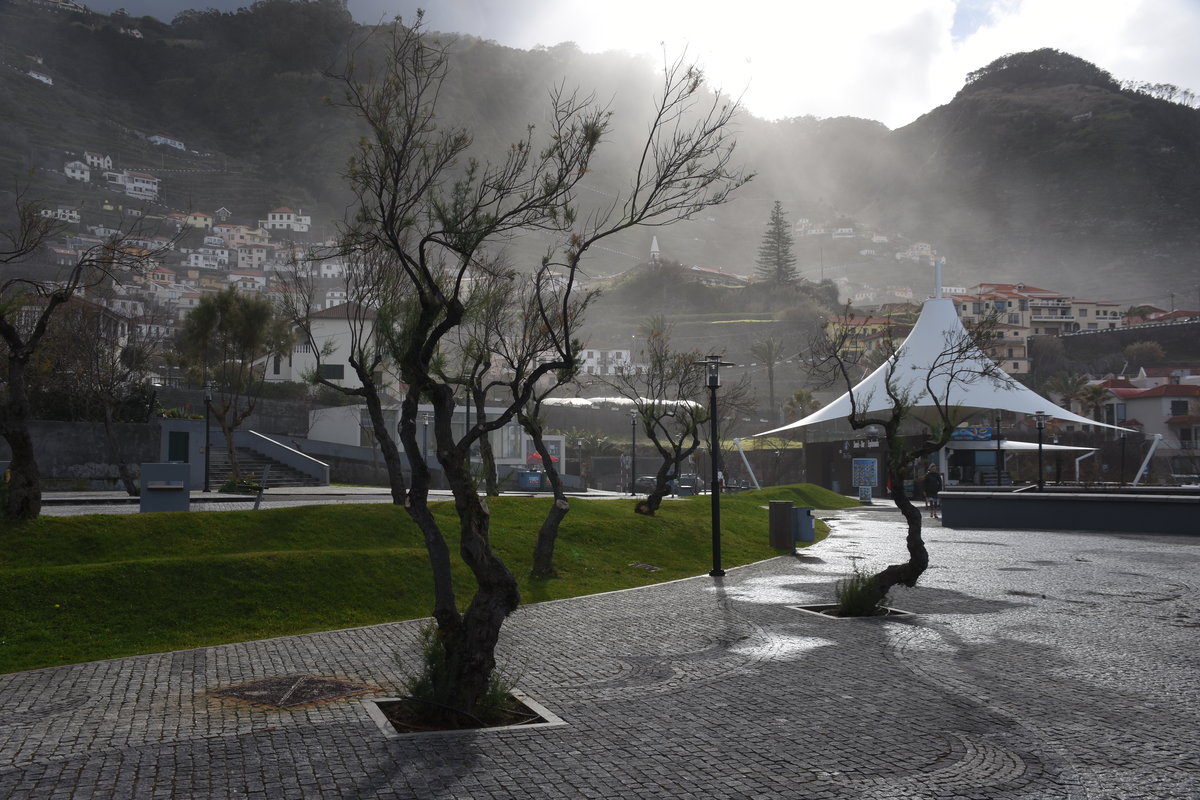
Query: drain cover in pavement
<point x="291" y="690"/>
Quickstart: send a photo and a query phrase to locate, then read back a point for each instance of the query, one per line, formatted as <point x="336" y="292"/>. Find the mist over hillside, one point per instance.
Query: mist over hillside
<point x="1042" y="169"/>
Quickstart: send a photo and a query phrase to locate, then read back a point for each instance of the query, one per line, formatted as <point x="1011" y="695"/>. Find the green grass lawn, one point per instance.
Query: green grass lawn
<point x="102" y="586"/>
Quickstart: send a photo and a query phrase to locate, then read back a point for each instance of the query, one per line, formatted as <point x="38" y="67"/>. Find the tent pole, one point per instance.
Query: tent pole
<point x="746" y="461"/>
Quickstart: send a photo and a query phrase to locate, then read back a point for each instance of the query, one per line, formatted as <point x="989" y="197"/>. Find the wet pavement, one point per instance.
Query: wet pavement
<point x="1040" y="665"/>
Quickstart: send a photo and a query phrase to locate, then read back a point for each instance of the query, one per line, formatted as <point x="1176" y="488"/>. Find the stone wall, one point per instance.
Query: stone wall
<point x="284" y="417"/>
<point x="75" y="455"/>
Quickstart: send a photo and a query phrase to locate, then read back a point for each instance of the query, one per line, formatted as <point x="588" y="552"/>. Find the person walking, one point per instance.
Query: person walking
<point x="933" y="485"/>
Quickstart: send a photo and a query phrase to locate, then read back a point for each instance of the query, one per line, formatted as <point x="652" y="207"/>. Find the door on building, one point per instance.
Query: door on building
<point x="177" y="445"/>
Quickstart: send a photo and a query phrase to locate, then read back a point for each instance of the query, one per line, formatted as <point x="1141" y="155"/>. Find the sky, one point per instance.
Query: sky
<point x="886" y="60"/>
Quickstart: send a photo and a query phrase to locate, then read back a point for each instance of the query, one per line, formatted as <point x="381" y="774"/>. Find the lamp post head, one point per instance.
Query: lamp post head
<point x="712" y="365"/>
<point x="1040" y="417"/>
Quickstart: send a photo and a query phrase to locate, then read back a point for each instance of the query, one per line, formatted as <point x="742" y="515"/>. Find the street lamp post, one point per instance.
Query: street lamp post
<point x="1041" y="428"/>
<point x="1057" y="462"/>
<point x="207" y="429"/>
<point x="579" y="445"/>
<point x="712" y="365"/>
<point x="1121" y="481"/>
<point x="999" y="455"/>
<point x="425" y="437"/>
<point x="633" y="418"/>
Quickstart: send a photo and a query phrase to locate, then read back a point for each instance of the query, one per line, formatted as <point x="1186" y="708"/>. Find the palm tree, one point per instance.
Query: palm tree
<point x="800" y="405"/>
<point x="1136" y="314"/>
<point x="1093" y="397"/>
<point x="1067" y="385"/>
<point x="769" y="352"/>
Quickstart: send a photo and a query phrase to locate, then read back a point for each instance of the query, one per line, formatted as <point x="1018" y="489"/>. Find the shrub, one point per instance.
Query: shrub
<point x="242" y="486"/>
<point x="432" y="690"/>
<point x="858" y="595"/>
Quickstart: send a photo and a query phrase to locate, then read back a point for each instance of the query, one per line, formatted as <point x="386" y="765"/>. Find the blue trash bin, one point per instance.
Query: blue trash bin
<point x="804" y="525"/>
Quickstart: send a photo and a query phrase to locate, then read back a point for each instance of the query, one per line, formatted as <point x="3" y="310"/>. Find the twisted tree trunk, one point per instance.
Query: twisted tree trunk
<point x="543" y="549"/>
<point x="25" y="481"/>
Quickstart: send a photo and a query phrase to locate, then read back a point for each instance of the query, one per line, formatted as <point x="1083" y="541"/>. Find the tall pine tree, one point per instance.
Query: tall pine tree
<point x="775" y="260"/>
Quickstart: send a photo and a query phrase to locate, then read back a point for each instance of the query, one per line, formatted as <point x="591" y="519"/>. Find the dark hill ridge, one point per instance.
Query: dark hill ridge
<point x="1054" y="172"/>
<point x="1042" y="166"/>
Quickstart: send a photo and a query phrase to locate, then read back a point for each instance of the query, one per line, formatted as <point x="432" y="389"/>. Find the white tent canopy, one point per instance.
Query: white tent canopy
<point x="923" y="373"/>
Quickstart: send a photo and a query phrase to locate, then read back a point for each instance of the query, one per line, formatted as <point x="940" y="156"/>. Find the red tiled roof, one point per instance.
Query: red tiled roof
<point x="1166" y="372"/>
<point x="1171" y="390"/>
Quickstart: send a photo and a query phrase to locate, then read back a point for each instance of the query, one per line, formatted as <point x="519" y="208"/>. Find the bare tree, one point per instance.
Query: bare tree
<point x="667" y="397"/>
<point x="525" y="344"/>
<point x="32" y="292"/>
<point x="98" y="361"/>
<point x="375" y="301"/>
<point x="436" y="216"/>
<point x="488" y="351"/>
<point x="909" y="436"/>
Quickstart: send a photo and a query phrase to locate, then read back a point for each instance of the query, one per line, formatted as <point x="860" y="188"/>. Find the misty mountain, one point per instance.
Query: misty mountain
<point x="1043" y="168"/>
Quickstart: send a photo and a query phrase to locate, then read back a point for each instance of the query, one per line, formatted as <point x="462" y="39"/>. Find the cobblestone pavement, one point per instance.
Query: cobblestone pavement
<point x="1041" y="665"/>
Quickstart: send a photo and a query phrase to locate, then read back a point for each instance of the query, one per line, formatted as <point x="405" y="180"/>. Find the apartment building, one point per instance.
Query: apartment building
<point x="1022" y="311"/>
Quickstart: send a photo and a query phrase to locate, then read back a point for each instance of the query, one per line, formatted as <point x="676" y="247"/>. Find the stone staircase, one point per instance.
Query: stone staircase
<point x="251" y="465"/>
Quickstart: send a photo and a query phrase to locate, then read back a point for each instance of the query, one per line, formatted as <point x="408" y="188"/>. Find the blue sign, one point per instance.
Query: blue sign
<point x="979" y="433"/>
<point x="864" y="472"/>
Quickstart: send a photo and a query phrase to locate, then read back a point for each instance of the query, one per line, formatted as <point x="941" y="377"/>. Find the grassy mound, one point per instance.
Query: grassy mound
<point x="82" y="588"/>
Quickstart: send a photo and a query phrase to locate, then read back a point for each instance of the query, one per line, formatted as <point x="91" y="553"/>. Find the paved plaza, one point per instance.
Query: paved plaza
<point x="1040" y="666"/>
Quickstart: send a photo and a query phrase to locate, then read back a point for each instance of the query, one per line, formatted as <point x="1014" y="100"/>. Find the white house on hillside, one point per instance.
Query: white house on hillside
<point x="169" y="141"/>
<point x="601" y="361"/>
<point x="97" y="160"/>
<point x="284" y="218"/>
<point x="141" y="185"/>
<point x="77" y="171"/>
<point x="331" y="330"/>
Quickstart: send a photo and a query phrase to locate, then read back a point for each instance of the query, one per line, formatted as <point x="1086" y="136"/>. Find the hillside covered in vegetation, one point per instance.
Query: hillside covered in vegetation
<point x="1044" y="166"/>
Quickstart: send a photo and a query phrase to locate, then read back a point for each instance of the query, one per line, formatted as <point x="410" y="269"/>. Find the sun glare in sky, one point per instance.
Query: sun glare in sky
<point x="888" y="60"/>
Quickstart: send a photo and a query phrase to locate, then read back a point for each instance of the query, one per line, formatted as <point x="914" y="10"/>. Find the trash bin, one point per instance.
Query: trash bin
<point x="782" y="533"/>
<point x="805" y="529"/>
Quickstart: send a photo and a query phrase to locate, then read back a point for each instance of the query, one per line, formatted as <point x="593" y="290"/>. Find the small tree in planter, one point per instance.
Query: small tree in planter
<point x="438" y="213"/>
<point x="917" y="401"/>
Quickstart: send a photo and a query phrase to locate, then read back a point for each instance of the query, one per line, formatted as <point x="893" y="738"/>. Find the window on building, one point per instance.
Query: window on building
<point x="1014" y="319"/>
<point x="1179" y="408"/>
<point x="1083" y="312"/>
<point x="1015" y="365"/>
<point x="332" y="372"/>
<point x="977" y="308"/>
<point x="1093" y="326"/>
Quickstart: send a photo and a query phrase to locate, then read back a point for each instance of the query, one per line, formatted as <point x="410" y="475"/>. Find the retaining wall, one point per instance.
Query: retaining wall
<point x="1062" y="511"/>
